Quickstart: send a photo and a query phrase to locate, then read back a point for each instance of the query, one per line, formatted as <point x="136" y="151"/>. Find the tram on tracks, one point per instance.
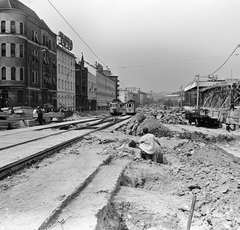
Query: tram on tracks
<point x="130" y="107"/>
<point x="116" y="107"/>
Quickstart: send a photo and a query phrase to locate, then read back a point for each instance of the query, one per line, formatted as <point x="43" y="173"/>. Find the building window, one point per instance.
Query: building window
<point x="36" y="56"/>
<point x="13" y="46"/>
<point x="33" y="35"/>
<point x="13" y="73"/>
<point x="47" y="41"/>
<point x="33" y="76"/>
<point x="36" y="77"/>
<point x="58" y="83"/>
<point x="50" y="44"/>
<point x="54" y="80"/>
<point x="3" y="73"/>
<point x="45" y="60"/>
<point x="3" y="49"/>
<point x="3" y="26"/>
<point x="54" y="63"/>
<point x="13" y="27"/>
<point x="20" y="50"/>
<point x="33" y="56"/>
<point x="44" y="40"/>
<point x="50" y="62"/>
<point x="21" y="28"/>
<point x="59" y="68"/>
<point x="21" y="74"/>
<point x="50" y="79"/>
<point x="20" y="96"/>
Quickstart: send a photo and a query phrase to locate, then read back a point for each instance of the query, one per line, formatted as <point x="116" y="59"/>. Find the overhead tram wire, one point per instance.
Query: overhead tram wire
<point x="223" y="63"/>
<point x="207" y="76"/>
<point x="77" y="34"/>
<point x="168" y="62"/>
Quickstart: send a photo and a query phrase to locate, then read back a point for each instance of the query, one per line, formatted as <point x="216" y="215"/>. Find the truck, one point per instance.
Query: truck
<point x="219" y="104"/>
<point x="201" y="117"/>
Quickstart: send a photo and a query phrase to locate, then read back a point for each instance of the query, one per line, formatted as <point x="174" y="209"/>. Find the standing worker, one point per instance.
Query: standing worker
<point x="147" y="145"/>
<point x="40" y="115"/>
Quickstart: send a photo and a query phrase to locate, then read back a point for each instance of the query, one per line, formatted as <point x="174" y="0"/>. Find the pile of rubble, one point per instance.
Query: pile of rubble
<point x="212" y="175"/>
<point x="172" y="117"/>
<point x="157" y="117"/>
<point x="199" y="169"/>
<point x="131" y="127"/>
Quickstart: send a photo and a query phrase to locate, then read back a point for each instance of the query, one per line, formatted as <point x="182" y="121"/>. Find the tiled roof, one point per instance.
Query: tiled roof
<point x="15" y="4"/>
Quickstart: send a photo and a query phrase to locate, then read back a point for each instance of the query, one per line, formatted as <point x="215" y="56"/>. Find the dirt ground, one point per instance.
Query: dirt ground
<point x="152" y="196"/>
<point x="159" y="196"/>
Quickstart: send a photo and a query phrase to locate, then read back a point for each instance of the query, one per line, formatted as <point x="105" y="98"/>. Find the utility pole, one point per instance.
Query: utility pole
<point x="197" y="91"/>
<point x="181" y="97"/>
<point x="29" y="81"/>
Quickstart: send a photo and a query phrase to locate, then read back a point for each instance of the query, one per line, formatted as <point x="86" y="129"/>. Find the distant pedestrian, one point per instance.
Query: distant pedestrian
<point x="40" y="115"/>
<point x="35" y="114"/>
<point x="147" y="145"/>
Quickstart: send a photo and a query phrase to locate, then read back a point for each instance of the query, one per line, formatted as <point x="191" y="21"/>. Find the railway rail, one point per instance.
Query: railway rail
<point x="8" y="140"/>
<point x="14" y="157"/>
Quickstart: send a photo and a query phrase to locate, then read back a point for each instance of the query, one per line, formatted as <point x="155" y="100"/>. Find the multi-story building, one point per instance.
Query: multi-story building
<point x="28" y="57"/>
<point x="65" y="73"/>
<point x="106" y="87"/>
<point x="115" y="79"/>
<point x="126" y="95"/>
<point x="81" y="86"/>
<point x="92" y="91"/>
<point x="143" y="98"/>
<point x="136" y="94"/>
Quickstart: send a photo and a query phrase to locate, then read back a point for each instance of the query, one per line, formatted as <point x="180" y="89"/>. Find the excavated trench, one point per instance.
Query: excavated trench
<point x="128" y="214"/>
<point x="158" y="196"/>
<point x="154" y="196"/>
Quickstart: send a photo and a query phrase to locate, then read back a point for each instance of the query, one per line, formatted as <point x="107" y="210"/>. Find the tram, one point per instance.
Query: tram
<point x="130" y="107"/>
<point x="116" y="107"/>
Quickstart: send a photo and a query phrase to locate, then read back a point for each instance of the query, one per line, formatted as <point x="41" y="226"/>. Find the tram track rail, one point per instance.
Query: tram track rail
<point x="60" y="126"/>
<point x="15" y="166"/>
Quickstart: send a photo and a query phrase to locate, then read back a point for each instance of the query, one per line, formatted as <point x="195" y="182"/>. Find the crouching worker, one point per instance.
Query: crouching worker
<point x="147" y="144"/>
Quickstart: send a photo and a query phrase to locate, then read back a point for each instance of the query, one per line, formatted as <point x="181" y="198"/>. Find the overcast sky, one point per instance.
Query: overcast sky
<point x="155" y="45"/>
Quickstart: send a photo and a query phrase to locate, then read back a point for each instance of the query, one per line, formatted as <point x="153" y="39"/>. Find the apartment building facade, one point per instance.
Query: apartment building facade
<point x="81" y="78"/>
<point x="28" y="57"/>
<point x="92" y="91"/>
<point x="106" y="87"/>
<point x="65" y="74"/>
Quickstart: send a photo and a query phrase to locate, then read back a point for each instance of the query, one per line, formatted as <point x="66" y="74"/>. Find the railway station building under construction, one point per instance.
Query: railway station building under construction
<point x="219" y="99"/>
